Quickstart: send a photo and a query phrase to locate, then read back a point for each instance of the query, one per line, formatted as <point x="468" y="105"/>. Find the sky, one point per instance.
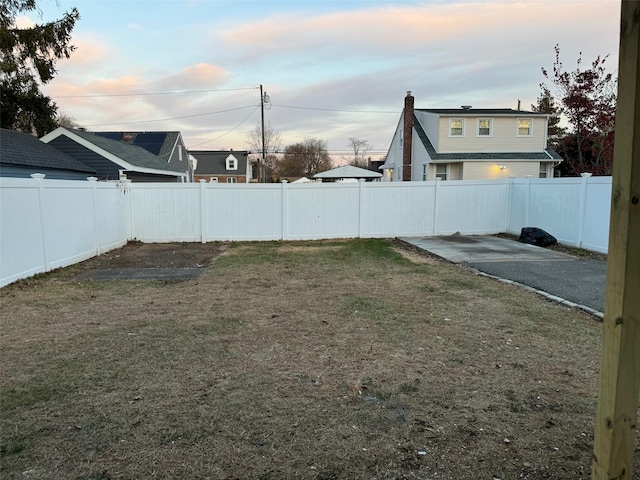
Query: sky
<point x="333" y="70"/>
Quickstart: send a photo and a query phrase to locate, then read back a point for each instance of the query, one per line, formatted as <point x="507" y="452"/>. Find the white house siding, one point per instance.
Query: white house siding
<point x="394" y="157"/>
<point x="504" y="136"/>
<point x="491" y="170"/>
<point x="419" y="156"/>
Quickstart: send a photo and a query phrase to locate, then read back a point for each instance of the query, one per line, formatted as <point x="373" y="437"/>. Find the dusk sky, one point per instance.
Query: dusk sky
<point x="332" y="69"/>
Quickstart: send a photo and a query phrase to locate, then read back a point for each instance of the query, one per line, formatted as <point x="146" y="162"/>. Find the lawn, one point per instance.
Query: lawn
<point x="345" y="359"/>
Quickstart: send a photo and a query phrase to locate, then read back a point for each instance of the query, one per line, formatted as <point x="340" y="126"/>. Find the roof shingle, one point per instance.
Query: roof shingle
<point x="26" y="150"/>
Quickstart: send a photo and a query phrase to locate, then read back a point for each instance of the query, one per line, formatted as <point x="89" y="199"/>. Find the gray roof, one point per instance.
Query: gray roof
<point x="214" y="162"/>
<point x="159" y="143"/>
<point x="26" y="150"/>
<point x="348" y="171"/>
<point x="478" y="111"/>
<point x="132" y="154"/>
<point x="460" y="156"/>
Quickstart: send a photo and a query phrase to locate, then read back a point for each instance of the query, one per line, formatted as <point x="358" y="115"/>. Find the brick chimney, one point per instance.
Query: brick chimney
<point x="407" y="137"/>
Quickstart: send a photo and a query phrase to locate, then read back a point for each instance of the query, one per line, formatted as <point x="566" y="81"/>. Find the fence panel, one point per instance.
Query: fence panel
<point x="597" y="210"/>
<point x="165" y="212"/>
<point x="46" y="224"/>
<point x="68" y="219"/>
<point x="111" y="217"/>
<point x="574" y="210"/>
<point x="242" y="211"/>
<point x="472" y="207"/>
<point x="21" y="235"/>
<point x="389" y="211"/>
<point x="321" y="210"/>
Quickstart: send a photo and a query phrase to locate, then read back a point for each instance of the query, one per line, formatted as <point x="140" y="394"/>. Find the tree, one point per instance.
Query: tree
<point x="272" y="145"/>
<point x="547" y="104"/>
<point x="304" y="159"/>
<point x="360" y="149"/>
<point x="27" y="60"/>
<point x="66" y="121"/>
<point x="588" y="101"/>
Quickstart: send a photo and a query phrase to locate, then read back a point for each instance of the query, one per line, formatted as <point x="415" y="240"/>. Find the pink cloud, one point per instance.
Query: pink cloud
<point x="200" y="75"/>
<point x="407" y="28"/>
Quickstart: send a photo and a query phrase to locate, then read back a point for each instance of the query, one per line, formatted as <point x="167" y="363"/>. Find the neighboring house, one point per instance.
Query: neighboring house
<point x="222" y="166"/>
<point x="22" y="155"/>
<point x="112" y="158"/>
<point x="347" y="173"/>
<point x="468" y="144"/>
<point x="169" y="146"/>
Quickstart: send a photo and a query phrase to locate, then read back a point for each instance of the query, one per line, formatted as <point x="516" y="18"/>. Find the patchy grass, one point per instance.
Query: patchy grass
<point x="317" y="360"/>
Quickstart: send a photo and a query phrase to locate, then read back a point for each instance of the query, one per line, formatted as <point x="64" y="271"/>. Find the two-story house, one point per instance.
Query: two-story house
<point x="468" y="144"/>
<point x="221" y="166"/>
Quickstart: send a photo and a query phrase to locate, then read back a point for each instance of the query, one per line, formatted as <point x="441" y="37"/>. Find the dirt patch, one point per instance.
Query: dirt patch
<point x="347" y="360"/>
<point x="157" y="255"/>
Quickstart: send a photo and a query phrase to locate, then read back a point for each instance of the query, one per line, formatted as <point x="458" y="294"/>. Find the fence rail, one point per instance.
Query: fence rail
<point x="45" y="224"/>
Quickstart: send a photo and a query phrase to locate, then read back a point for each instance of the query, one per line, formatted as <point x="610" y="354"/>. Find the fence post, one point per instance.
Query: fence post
<point x="284" y="210"/>
<point x="203" y="211"/>
<point x="360" y="205"/>
<point x="38" y="177"/>
<point x="527" y="201"/>
<point x="509" y="204"/>
<point x="435" y="206"/>
<point x="94" y="192"/>
<point x="582" y="207"/>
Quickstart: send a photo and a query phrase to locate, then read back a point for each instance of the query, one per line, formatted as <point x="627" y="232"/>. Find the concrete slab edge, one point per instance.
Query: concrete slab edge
<point x="553" y="298"/>
<point x="548" y="296"/>
<point x="415" y="247"/>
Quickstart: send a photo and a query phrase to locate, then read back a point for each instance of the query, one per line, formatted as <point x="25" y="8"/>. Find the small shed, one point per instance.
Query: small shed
<point x="347" y="173"/>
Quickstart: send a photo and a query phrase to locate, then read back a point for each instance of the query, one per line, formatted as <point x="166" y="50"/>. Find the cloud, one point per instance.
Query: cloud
<point x="90" y="52"/>
<point x="487" y="54"/>
<point x="24" y="22"/>
<point x="403" y="29"/>
<point x="200" y="75"/>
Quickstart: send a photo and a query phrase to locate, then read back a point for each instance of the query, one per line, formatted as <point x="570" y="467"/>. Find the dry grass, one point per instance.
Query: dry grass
<point x="317" y="360"/>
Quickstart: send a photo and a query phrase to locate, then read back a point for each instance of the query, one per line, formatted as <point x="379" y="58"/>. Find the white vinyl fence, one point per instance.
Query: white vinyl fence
<point x="207" y="212"/>
<point x="574" y="210"/>
<point x="45" y="224"/>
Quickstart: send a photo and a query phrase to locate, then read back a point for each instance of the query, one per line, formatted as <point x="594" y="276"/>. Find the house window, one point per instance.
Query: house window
<point x="232" y="163"/>
<point x="213" y="179"/>
<point x="456" y="127"/>
<point x="232" y="180"/>
<point x="441" y="171"/>
<point x="524" y="127"/>
<point x="484" y="127"/>
<point x="543" y="170"/>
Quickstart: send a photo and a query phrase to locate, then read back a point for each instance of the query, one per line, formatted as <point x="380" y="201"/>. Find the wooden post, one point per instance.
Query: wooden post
<point x="615" y="430"/>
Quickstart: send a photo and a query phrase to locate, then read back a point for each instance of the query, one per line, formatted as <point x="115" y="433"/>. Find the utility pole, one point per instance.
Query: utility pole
<point x="261" y="164"/>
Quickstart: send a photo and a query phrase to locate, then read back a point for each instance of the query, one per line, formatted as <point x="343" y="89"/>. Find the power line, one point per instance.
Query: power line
<point x="146" y="94"/>
<point x="171" y="118"/>
<point x="228" y="132"/>
<point x="334" y="109"/>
